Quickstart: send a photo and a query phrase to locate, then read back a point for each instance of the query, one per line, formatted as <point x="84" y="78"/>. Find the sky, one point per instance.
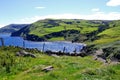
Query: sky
<point x="29" y="11"/>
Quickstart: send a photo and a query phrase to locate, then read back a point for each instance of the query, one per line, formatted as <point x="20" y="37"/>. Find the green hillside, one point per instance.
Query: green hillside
<point x="64" y="67"/>
<point x="101" y="34"/>
<point x="95" y="31"/>
<point x="111" y="34"/>
<point x="45" y="27"/>
<point x="61" y="29"/>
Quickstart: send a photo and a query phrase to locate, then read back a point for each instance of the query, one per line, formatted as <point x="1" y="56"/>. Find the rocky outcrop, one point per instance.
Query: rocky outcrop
<point x="48" y="68"/>
<point x="25" y="54"/>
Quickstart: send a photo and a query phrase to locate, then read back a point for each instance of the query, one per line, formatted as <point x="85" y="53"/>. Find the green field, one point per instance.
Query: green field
<point x="44" y="27"/>
<point x="65" y="67"/>
<point x="57" y="39"/>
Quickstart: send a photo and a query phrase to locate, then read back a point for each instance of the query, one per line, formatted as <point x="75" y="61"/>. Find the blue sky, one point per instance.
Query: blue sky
<point x="29" y="11"/>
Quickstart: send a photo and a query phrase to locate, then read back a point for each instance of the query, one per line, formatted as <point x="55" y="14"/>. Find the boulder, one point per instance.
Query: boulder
<point x="54" y="55"/>
<point x="25" y="54"/>
<point x="48" y="68"/>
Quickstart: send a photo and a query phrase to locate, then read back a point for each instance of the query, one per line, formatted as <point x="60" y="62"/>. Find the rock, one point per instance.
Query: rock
<point x="25" y="54"/>
<point x="18" y="54"/>
<point x="99" y="52"/>
<point x="54" y="55"/>
<point x="48" y="68"/>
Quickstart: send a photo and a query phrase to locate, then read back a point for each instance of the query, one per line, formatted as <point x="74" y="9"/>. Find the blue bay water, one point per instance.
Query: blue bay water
<point x="52" y="46"/>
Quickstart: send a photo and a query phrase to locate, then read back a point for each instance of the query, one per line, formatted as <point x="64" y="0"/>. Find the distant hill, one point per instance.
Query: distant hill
<point x="12" y="28"/>
<point x="60" y="29"/>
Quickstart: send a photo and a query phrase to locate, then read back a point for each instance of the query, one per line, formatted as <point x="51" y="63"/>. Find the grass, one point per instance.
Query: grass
<point x="112" y="32"/>
<point x="106" y="40"/>
<point x="42" y="28"/>
<point x="109" y="35"/>
<point x="88" y="29"/>
<point x="55" y="28"/>
<point x="65" y="67"/>
<point x="57" y="39"/>
<point x="46" y="31"/>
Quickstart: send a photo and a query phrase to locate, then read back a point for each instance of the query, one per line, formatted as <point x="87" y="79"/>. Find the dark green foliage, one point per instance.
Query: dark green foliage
<point x="22" y="32"/>
<point x="50" y="23"/>
<point x="111" y="52"/>
<point x="7" y="59"/>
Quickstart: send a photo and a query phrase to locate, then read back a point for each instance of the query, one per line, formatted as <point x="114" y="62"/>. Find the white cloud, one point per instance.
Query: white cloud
<point x="113" y="3"/>
<point x="2" y="25"/>
<point x="95" y="9"/>
<point x="94" y="16"/>
<point x="40" y="7"/>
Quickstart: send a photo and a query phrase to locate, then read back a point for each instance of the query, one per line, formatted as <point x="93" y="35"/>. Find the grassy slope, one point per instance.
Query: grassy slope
<point x="65" y="67"/>
<point x="48" y="26"/>
<point x="41" y="28"/>
<point x="45" y="27"/>
<point x="110" y="35"/>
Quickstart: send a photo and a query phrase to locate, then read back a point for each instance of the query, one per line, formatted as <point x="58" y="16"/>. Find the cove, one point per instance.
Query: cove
<point x="56" y="46"/>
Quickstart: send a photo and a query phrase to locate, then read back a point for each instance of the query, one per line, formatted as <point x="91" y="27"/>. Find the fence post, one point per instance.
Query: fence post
<point x="2" y="41"/>
<point x="43" y="47"/>
<point x="23" y="44"/>
<point x="64" y="50"/>
<point x="75" y="51"/>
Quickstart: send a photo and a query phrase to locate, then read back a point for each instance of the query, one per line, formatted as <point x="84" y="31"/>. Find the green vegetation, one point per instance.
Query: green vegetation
<point x="54" y="29"/>
<point x="109" y="40"/>
<point x="92" y="31"/>
<point x="65" y="67"/>
<point x="47" y="26"/>
<point x="110" y="35"/>
<point x="101" y="34"/>
<point x="57" y="39"/>
<point x="98" y="35"/>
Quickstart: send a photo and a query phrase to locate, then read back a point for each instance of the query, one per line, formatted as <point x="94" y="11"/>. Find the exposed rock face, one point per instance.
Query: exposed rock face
<point x="48" y="68"/>
<point x="25" y="54"/>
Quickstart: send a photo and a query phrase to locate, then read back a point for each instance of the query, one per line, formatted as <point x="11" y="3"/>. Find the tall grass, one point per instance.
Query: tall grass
<point x="65" y="67"/>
